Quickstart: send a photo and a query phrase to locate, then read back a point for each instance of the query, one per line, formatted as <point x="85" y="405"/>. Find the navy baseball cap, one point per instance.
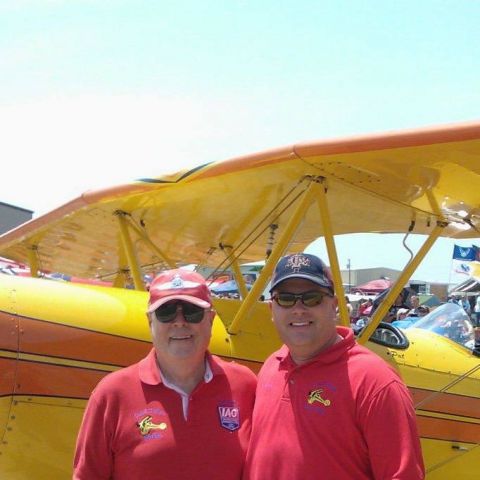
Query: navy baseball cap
<point x="302" y="265"/>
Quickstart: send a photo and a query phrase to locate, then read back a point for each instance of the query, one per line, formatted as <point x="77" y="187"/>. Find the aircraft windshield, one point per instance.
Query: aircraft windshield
<point x="449" y="320"/>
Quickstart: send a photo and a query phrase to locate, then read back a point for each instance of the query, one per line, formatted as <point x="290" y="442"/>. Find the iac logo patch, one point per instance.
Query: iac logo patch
<point x="229" y="417"/>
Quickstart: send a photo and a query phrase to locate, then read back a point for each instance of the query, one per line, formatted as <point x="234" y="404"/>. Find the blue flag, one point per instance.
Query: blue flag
<point x="467" y="254"/>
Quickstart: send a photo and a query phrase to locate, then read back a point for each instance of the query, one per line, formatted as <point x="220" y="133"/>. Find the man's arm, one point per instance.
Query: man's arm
<point x="93" y="453"/>
<point x="390" y="430"/>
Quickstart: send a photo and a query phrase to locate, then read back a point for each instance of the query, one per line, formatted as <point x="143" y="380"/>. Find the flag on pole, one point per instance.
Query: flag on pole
<point x="467" y="254"/>
<point x="464" y="259"/>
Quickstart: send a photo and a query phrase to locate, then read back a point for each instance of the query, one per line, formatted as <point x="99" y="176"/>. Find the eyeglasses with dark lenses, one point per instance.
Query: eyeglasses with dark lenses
<point x="309" y="299"/>
<point x="167" y="312"/>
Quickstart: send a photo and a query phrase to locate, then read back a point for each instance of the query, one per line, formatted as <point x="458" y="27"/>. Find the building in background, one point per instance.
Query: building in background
<point x="353" y="278"/>
<point x="12" y="216"/>
<point x="360" y="276"/>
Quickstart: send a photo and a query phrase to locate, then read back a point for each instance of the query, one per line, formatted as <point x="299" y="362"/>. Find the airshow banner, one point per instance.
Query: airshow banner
<point x="465" y="263"/>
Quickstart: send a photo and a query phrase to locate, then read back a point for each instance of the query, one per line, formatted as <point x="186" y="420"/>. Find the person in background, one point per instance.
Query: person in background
<point x="465" y="304"/>
<point x="349" y="307"/>
<point x="414" y="304"/>
<point x="180" y="413"/>
<point x="476" y="311"/>
<point x="326" y="407"/>
<point x="399" y="304"/>
<point x="365" y="308"/>
<point x="423" y="310"/>
<point x="402" y="313"/>
<point x="454" y="299"/>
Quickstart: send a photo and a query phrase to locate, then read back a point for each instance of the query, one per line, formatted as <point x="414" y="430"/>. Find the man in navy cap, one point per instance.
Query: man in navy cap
<point x="326" y="407"/>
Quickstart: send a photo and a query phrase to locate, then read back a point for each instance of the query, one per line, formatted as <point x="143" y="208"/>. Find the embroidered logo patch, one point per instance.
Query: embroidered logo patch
<point x="316" y="396"/>
<point x="146" y="425"/>
<point x="229" y="417"/>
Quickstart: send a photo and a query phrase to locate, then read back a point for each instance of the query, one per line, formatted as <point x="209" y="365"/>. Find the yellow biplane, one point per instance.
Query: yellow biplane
<point x="58" y="339"/>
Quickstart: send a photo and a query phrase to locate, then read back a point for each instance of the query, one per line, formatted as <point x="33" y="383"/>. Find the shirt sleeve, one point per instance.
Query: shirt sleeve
<point x="390" y="431"/>
<point x="93" y="453"/>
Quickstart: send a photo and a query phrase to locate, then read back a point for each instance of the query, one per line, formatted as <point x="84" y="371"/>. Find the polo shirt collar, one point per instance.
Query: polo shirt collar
<point x="149" y="372"/>
<point x="329" y="355"/>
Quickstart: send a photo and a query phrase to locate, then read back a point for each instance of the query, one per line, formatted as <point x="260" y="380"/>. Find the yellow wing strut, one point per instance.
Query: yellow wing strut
<point x="402" y="279"/>
<point x="277" y="252"/>
<point x="130" y="252"/>
<point x="332" y="252"/>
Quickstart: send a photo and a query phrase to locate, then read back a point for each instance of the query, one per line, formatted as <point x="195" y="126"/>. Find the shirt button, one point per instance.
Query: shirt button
<point x="292" y="381"/>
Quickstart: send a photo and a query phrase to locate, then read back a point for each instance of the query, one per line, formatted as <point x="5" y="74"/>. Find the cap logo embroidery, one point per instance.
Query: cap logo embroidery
<point x="296" y="262"/>
<point x="146" y="425"/>
<point x="316" y="396"/>
<point x="177" y="282"/>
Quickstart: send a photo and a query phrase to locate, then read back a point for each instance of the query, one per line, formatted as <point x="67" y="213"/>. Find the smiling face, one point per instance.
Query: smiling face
<point x="305" y="330"/>
<point x="179" y="340"/>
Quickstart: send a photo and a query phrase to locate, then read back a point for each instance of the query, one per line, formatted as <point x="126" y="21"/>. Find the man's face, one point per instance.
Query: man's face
<point x="305" y="330"/>
<point x="179" y="339"/>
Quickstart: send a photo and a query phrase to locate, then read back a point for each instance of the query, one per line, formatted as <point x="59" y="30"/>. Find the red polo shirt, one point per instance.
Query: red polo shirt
<point x="345" y="415"/>
<point x="134" y="426"/>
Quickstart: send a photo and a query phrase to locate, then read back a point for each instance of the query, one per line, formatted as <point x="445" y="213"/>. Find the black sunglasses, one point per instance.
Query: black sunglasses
<point x="168" y="311"/>
<point x="309" y="299"/>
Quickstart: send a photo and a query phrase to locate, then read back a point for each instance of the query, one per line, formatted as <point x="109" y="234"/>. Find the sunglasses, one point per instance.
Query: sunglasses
<point x="167" y="312"/>
<point x="309" y="299"/>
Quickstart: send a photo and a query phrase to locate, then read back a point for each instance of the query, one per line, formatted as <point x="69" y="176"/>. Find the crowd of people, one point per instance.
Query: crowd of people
<point x="405" y="305"/>
<point x="470" y="303"/>
<point x="407" y="311"/>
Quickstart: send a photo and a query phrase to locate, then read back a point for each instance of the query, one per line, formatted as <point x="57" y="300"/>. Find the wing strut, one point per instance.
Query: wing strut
<point x="264" y="277"/>
<point x="402" y="279"/>
<point x="321" y="191"/>
<point x="147" y="240"/>
<point x="242" y="287"/>
<point x="33" y="260"/>
<point x="121" y="278"/>
<point x="130" y="252"/>
<point x="129" y="249"/>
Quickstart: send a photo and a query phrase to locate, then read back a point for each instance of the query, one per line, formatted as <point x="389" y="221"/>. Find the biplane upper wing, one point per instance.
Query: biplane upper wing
<point x="392" y="182"/>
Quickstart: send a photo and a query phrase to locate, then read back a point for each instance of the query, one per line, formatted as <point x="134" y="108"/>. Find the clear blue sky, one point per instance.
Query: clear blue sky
<point x="96" y="93"/>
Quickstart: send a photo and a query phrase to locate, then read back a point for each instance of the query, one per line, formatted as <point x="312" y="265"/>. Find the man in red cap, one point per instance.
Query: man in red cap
<point x="326" y="407"/>
<point x="180" y="413"/>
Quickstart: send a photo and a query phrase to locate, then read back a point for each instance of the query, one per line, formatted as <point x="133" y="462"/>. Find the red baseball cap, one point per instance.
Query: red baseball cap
<point x="179" y="285"/>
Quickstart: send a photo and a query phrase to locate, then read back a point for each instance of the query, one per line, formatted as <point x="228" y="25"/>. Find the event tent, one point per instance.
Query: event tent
<point x="373" y="286"/>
